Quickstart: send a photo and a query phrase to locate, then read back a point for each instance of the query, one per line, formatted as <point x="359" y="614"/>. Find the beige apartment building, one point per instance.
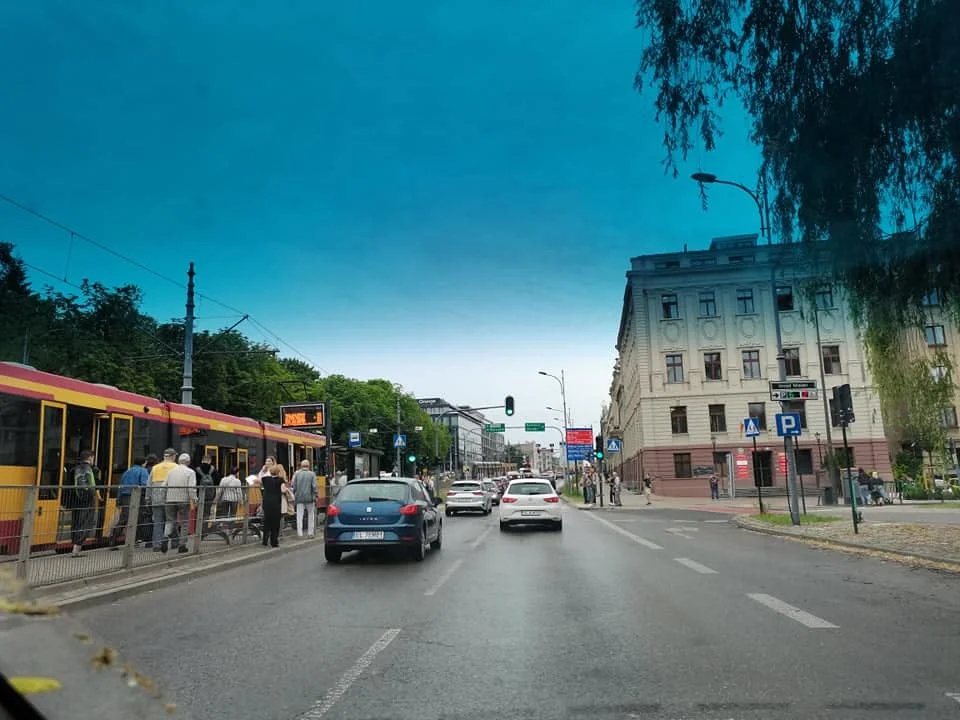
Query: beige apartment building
<point x="697" y="350"/>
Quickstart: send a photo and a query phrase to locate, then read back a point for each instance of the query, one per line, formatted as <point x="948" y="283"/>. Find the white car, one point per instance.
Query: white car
<point x="467" y="495"/>
<point x="531" y="501"/>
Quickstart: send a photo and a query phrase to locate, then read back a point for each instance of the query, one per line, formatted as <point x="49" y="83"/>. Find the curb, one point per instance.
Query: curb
<point x="73" y="597"/>
<point x="739" y="522"/>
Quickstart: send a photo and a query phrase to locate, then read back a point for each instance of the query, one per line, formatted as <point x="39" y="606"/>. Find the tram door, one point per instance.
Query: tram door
<point x="50" y="471"/>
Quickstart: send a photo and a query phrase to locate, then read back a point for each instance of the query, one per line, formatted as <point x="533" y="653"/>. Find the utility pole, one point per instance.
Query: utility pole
<point x="25" y="360"/>
<point x="186" y="390"/>
<point x="826" y="405"/>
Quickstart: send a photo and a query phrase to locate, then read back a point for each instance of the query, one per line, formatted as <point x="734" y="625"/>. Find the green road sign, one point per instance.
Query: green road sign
<point x="535" y="427"/>
<point x="495" y="428"/>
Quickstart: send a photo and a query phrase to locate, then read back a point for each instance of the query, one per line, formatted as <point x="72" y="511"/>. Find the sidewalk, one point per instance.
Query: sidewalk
<point x="168" y="570"/>
<point x="936" y="546"/>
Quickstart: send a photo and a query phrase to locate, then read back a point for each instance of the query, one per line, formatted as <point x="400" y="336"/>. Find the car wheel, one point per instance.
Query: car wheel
<point x="420" y="552"/>
<point x="558" y="526"/>
<point x="448" y="512"/>
<point x="438" y="543"/>
<point x="332" y="555"/>
<point x="503" y="526"/>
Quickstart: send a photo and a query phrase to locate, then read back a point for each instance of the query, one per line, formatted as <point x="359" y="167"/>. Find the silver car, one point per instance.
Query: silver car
<point x="467" y="495"/>
<point x="491" y="487"/>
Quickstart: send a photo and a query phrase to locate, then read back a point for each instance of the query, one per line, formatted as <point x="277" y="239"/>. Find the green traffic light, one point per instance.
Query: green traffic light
<point x="411" y="458"/>
<point x="599" y="455"/>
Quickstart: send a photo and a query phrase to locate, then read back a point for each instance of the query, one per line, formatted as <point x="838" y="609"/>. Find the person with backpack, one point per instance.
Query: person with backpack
<point x="83" y="509"/>
<point x="208" y="479"/>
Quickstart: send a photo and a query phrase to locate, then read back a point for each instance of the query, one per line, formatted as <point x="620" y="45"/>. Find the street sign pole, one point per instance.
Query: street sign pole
<point x="756" y="475"/>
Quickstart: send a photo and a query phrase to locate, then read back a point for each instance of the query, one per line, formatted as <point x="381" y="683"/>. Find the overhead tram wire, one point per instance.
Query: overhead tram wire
<point x="173" y="281"/>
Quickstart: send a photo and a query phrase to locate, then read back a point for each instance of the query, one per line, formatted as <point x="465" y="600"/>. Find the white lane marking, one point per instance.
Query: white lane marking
<point x="794" y="613"/>
<point x="686" y="521"/>
<point x="693" y="565"/>
<point x="717" y="522"/>
<point x="626" y="533"/>
<point x="483" y="536"/>
<point x="443" y="578"/>
<point x="324" y="705"/>
<point x="955" y="696"/>
<point x="680" y="532"/>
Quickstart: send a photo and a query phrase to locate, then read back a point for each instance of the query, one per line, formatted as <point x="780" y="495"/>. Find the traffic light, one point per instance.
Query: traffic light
<point x="843" y="405"/>
<point x="598" y="447"/>
<point x="411" y="458"/>
<point x="508" y="404"/>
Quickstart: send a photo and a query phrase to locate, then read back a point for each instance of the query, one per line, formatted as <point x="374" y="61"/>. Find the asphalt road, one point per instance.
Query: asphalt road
<point x="626" y="614"/>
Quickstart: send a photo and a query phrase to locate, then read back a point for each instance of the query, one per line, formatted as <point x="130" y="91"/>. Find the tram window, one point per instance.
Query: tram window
<point x="19" y="431"/>
<point x="51" y="463"/>
<point x="142" y="444"/>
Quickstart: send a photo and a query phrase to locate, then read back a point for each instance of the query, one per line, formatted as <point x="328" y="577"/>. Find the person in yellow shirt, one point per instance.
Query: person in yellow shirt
<point x="157" y="494"/>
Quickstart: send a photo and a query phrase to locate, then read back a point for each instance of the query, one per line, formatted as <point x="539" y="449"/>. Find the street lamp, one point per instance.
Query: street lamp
<point x="563" y="397"/>
<point x="788" y="447"/>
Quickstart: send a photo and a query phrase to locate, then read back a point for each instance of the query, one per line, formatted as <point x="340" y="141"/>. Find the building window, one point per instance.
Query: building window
<point x="740" y="259"/>
<point x="791" y="361"/>
<point x="934" y="335"/>
<point x="932" y="298"/>
<point x="948" y="417"/>
<point x="751" y="364"/>
<point x="718" y="418"/>
<point x="938" y="372"/>
<point x="667" y="265"/>
<point x="678" y="420"/>
<point x="703" y="262"/>
<point x="708" y="303"/>
<point x="784" y="298"/>
<point x="831" y="359"/>
<point x="711" y="366"/>
<point x="670" y="306"/>
<point x="758" y="411"/>
<point x="674" y="369"/>
<point x="824" y="297"/>
<point x="797" y="407"/>
<point x="682" y="466"/>
<point x="745" y="301"/>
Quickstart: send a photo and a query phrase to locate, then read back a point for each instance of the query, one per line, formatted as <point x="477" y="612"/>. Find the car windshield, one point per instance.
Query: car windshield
<point x="530" y="488"/>
<point x="374" y="492"/>
<point x="465" y="486"/>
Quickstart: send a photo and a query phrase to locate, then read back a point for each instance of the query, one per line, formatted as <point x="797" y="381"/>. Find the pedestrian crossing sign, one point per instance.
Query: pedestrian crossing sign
<point x="751" y="428"/>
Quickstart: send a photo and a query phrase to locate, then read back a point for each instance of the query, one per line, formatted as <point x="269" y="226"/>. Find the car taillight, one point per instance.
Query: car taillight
<point x="332" y="511"/>
<point x="552" y="498"/>
<point x="478" y="493"/>
<point x="409" y="509"/>
<point x="450" y="492"/>
<point x="508" y="499"/>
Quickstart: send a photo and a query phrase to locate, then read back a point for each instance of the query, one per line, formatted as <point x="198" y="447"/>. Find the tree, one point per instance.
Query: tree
<point x="852" y="104"/>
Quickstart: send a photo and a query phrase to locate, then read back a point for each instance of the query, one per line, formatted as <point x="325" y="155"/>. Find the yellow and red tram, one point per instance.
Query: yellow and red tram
<point x="47" y="420"/>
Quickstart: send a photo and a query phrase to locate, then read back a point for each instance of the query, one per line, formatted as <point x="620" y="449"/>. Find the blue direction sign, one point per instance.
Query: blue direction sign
<point x="399" y="440"/>
<point x="751" y="427"/>
<point x="788" y="424"/>
<point x="354" y="439"/>
<point x="579" y="452"/>
<point x="613" y="445"/>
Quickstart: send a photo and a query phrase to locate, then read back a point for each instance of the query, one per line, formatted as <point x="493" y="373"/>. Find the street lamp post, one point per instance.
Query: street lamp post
<point x="788" y="447"/>
<point x="566" y="421"/>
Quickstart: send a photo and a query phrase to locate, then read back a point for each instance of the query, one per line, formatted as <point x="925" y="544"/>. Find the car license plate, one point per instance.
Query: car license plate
<point x="529" y="513"/>
<point x="368" y="535"/>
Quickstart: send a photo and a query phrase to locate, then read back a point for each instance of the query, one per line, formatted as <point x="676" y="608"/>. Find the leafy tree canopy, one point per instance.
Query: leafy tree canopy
<point x="854" y="105"/>
<point x="100" y="335"/>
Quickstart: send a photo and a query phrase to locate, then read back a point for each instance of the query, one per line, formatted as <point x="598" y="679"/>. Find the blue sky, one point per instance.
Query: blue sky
<point x="429" y="192"/>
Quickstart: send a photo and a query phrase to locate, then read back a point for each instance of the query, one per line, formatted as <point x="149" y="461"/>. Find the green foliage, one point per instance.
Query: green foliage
<point x="848" y="105"/>
<point x="907" y="465"/>
<point x="100" y="335"/>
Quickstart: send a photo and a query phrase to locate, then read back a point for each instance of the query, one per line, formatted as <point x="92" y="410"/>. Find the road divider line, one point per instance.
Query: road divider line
<point x="443" y="578"/>
<point x="794" y="613"/>
<point x="483" y="536"/>
<point x="626" y="533"/>
<point x="717" y="522"/>
<point x="694" y="565"/>
<point x="326" y="703"/>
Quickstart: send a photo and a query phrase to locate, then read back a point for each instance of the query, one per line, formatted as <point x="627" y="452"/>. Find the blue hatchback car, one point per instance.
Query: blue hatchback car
<point x="387" y="512"/>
